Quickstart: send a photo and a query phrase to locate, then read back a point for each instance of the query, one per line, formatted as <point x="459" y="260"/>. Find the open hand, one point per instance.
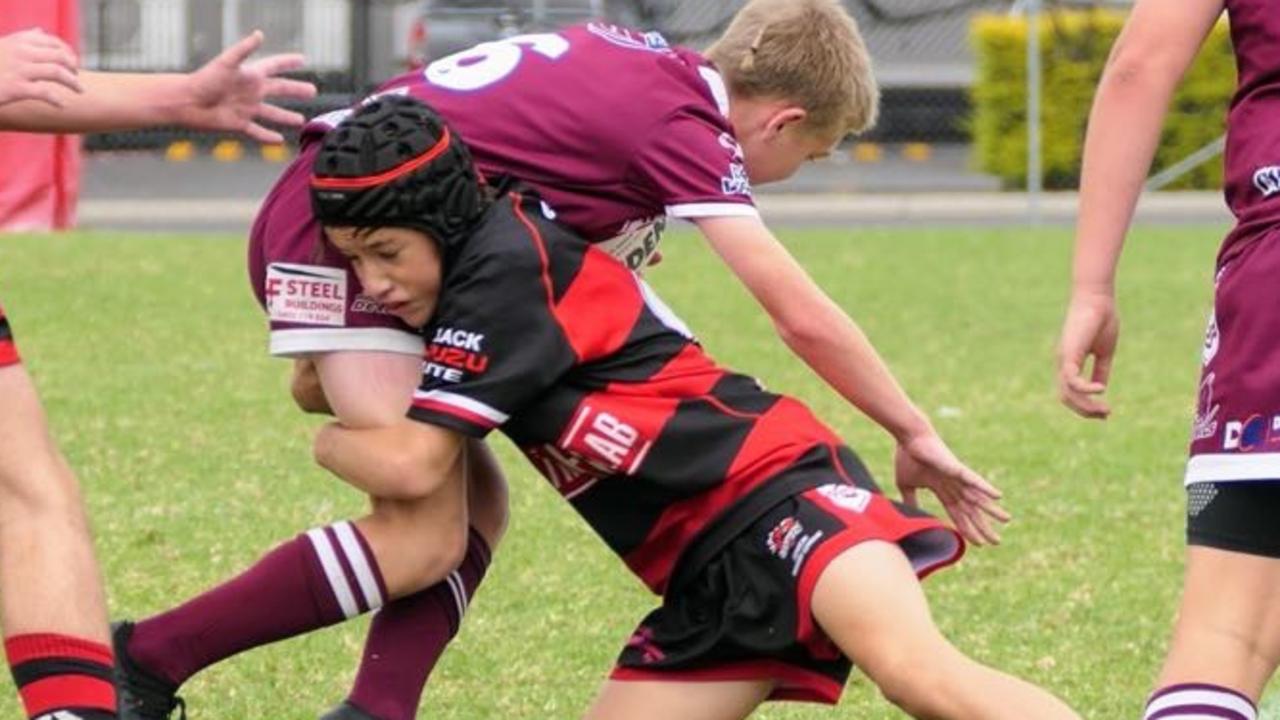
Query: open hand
<point x="229" y="93"/>
<point x="970" y="501"/>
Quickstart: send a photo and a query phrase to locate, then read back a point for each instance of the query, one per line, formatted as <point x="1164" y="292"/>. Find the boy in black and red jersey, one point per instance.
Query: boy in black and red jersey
<point x="778" y="559"/>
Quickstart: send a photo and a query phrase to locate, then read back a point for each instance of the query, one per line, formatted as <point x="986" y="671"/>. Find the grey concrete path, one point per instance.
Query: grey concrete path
<point x="144" y="192"/>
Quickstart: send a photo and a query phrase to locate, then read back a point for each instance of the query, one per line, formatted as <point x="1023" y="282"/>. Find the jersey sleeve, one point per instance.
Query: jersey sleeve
<point x="694" y="166"/>
<point x="493" y="345"/>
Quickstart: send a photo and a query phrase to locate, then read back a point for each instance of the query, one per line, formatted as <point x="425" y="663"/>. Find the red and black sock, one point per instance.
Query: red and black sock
<point x="61" y="677"/>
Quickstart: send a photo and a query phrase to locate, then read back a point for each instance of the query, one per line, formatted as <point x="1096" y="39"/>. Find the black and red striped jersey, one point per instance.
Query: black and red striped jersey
<point x="605" y="390"/>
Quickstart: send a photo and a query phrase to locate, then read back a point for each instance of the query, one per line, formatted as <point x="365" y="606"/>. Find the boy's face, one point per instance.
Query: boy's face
<point x="776" y="141"/>
<point x="398" y="267"/>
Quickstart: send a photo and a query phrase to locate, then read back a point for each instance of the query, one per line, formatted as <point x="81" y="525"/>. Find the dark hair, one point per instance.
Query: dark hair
<point x="395" y="162"/>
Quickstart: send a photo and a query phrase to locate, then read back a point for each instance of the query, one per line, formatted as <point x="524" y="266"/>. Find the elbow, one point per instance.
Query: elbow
<point x="801" y="331"/>
<point x="420" y="467"/>
<point x="1133" y="66"/>
<point x="307" y="391"/>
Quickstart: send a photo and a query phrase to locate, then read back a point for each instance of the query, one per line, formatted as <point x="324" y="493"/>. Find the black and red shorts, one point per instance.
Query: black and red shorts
<point x="8" y="350"/>
<point x="745" y="615"/>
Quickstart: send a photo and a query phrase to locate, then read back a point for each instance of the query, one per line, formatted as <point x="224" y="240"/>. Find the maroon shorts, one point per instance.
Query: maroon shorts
<point x="313" y="300"/>
<point x="8" y="350"/>
<point x="1236" y="432"/>
<point x="745" y="614"/>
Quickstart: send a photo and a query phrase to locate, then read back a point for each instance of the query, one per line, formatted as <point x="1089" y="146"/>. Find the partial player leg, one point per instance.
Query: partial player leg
<point x="320" y="578"/>
<point x="51" y="599"/>
<point x="408" y="636"/>
<point x="646" y="700"/>
<point x="869" y="602"/>
<point x="1226" y="643"/>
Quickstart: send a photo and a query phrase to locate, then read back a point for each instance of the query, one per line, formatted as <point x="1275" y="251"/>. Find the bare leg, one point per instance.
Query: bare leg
<point x="49" y="580"/>
<point x="647" y="700"/>
<point x="870" y="603"/>
<point x="1228" y="628"/>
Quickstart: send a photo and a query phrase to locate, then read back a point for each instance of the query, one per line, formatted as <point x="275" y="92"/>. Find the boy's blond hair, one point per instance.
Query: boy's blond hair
<point x="805" y="51"/>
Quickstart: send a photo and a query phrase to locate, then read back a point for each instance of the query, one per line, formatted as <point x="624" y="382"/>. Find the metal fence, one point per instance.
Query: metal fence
<point x="920" y="46"/>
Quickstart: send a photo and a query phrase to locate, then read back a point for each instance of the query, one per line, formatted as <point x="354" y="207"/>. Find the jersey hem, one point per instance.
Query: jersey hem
<point x="302" y="341"/>
<point x="691" y="211"/>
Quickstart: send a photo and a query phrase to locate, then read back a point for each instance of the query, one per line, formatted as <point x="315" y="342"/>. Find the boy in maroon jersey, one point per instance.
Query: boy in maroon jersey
<point x="617" y="131"/>
<point x="1226" y="644"/>
<point x="51" y="604"/>
<point x="778" y="558"/>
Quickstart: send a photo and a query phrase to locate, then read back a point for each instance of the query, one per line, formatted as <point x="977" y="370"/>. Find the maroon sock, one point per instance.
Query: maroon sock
<point x="407" y="637"/>
<point x="317" y="579"/>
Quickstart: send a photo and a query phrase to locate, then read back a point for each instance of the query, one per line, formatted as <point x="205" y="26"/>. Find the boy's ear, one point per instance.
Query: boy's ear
<point x="783" y="118"/>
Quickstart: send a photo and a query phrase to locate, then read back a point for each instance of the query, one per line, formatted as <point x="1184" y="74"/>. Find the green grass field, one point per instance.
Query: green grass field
<point x="150" y="354"/>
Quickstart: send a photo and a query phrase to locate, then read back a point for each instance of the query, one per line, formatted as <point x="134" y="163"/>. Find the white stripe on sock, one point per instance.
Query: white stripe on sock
<point x="459" y="593"/>
<point x="333" y="571"/>
<point x="1213" y="698"/>
<point x="360" y="564"/>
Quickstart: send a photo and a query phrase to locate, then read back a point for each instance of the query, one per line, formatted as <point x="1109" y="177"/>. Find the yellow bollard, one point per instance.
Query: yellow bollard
<point x="228" y="151"/>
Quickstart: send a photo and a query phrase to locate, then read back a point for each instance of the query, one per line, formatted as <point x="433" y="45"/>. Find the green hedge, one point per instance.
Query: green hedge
<point x="1075" y="45"/>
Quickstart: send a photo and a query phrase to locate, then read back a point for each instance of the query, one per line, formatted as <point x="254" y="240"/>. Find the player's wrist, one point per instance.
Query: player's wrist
<point x="912" y="427"/>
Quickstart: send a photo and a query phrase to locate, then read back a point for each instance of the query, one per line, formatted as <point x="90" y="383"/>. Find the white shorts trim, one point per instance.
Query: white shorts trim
<point x="1228" y="467"/>
<point x="302" y="341"/>
<point x="710" y="210"/>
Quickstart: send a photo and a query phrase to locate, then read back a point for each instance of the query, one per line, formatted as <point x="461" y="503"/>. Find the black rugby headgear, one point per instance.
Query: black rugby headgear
<point x="394" y="162"/>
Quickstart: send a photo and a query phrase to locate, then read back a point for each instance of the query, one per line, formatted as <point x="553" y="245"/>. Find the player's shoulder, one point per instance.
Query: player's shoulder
<point x="681" y="74"/>
<point x="515" y="233"/>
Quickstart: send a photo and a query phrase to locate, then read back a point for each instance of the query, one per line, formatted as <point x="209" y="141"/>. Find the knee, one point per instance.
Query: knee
<point x="439" y="553"/>
<point x="40" y="489"/>
<point x="912" y="682"/>
<point x="425" y="548"/>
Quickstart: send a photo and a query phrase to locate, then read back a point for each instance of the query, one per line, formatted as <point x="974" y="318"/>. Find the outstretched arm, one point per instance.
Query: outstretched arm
<point x="826" y="338"/>
<point x="1149" y="58"/>
<point x="227" y="94"/>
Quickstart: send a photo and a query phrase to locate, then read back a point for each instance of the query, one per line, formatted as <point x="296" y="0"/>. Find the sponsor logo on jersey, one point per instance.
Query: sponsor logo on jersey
<point x="788" y="541"/>
<point x="367" y="305"/>
<point x="1267" y="180"/>
<point x="630" y="39"/>
<point x="636" y="242"/>
<point x="454" y="354"/>
<point x="306" y="294"/>
<point x="849" y="497"/>
<point x="1205" y="424"/>
<point x="1245" y="435"/>
<point x="569" y="473"/>
<point x="1211" y="340"/>
<point x="605" y="440"/>
<point x="730" y="143"/>
<point x="462" y="339"/>
<point x="783" y="536"/>
<point x="736" y="182"/>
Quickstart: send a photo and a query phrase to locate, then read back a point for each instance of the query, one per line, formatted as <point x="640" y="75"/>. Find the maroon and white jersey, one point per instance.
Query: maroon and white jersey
<point x="575" y="359"/>
<point x="1253" y="123"/>
<point x="615" y="129"/>
<point x="8" y="351"/>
